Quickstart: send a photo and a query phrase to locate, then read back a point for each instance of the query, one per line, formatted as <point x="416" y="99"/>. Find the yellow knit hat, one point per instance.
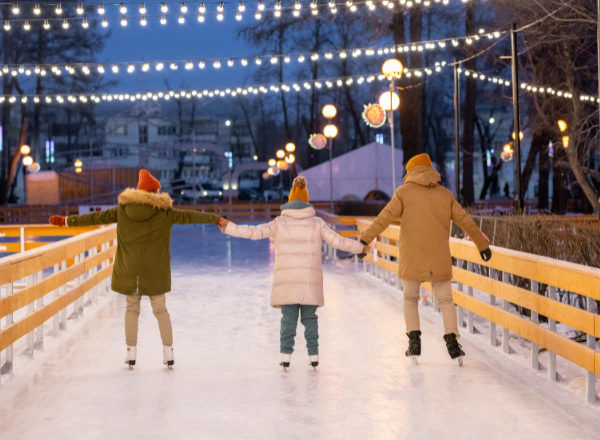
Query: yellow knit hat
<point x="299" y="191"/>
<point x="419" y="160"/>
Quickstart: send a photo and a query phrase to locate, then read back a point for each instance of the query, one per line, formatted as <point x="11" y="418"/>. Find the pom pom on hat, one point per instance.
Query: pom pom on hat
<point x="299" y="191"/>
<point x="420" y="160"/>
<point x="147" y="182"/>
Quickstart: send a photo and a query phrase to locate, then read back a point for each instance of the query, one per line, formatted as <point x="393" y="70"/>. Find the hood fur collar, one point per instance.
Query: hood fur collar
<point x="135" y="196"/>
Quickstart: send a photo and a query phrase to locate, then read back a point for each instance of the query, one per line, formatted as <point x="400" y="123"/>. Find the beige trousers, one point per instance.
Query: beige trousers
<point x="132" y="313"/>
<point x="443" y="292"/>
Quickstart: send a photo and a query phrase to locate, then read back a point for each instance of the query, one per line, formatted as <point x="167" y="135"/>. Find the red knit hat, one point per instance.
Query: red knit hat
<point x="147" y="182"/>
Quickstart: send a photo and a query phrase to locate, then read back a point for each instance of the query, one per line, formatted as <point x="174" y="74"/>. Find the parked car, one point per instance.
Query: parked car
<point x="273" y="194"/>
<point x="183" y="192"/>
<point x="249" y="195"/>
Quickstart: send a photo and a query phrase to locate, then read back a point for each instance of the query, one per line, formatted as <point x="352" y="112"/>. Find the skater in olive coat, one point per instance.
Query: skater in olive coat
<point x="144" y="219"/>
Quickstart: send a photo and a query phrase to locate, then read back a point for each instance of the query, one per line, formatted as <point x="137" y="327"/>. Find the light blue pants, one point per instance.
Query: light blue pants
<point x="289" y="322"/>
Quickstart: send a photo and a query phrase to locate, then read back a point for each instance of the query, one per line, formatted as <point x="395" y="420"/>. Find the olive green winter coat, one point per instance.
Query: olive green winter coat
<point x="426" y="210"/>
<point x="144" y="221"/>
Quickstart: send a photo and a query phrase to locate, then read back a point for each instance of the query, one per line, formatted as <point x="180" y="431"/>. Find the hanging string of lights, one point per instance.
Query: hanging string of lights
<point x="222" y="92"/>
<point x="277" y="9"/>
<point x="131" y="67"/>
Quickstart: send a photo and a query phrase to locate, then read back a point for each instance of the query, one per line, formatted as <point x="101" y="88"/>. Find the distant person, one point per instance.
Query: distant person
<point x="506" y="190"/>
<point x="144" y="218"/>
<point x="298" y="280"/>
<point x="426" y="209"/>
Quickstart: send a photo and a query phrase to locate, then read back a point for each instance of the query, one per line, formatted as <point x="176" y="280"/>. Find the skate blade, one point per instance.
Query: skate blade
<point x="130" y="367"/>
<point x="415" y="359"/>
<point x="285" y="366"/>
<point x="460" y="361"/>
<point x="131" y="364"/>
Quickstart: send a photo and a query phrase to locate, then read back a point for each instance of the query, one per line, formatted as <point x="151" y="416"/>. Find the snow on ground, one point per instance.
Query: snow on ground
<point x="227" y="384"/>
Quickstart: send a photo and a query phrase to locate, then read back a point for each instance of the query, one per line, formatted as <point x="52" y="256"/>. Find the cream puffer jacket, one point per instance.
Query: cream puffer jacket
<point x="297" y="234"/>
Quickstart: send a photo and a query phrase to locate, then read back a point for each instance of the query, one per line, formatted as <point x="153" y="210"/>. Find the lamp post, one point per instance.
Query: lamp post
<point x="330" y="131"/>
<point x="392" y="69"/>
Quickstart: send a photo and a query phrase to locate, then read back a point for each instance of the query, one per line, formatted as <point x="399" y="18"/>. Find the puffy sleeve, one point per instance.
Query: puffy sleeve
<point x="259" y="232"/>
<point x="466" y="223"/>
<point x="390" y="213"/>
<point x="94" y="218"/>
<point x="185" y="217"/>
<point x="337" y="241"/>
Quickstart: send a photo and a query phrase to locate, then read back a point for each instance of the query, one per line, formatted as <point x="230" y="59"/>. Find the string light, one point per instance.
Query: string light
<point x="80" y="9"/>
<point x="101" y="10"/>
<point x="15" y="9"/>
<point x="143" y="8"/>
<point x="36" y="9"/>
<point x="85" y="24"/>
<point x="65" y="24"/>
<point x="201" y="18"/>
<point x="181" y="19"/>
<point x="58" y="9"/>
<point x="164" y="8"/>
<point x="104" y="22"/>
<point x="202" y="8"/>
<point x="184" y="8"/>
<point x="163" y="19"/>
<point x="143" y="21"/>
<point x="123" y="21"/>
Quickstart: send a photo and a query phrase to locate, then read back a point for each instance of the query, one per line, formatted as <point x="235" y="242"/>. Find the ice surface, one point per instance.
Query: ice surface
<point x="226" y="383"/>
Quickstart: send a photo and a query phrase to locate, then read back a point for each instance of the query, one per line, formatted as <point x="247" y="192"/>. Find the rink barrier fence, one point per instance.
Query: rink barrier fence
<point x="74" y="271"/>
<point x="28" y="232"/>
<point x="382" y="263"/>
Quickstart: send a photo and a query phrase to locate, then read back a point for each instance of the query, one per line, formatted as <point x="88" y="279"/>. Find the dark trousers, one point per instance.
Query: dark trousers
<point x="289" y="322"/>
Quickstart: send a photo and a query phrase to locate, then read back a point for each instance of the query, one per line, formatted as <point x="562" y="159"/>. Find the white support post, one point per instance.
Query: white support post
<point x="470" y="315"/>
<point x="30" y="306"/>
<point x="398" y="283"/>
<point x="535" y="349"/>
<point x="22" y="234"/>
<point x="493" y="341"/>
<point x="55" y="318"/>
<point x="551" y="328"/>
<point x="8" y="367"/>
<point x="505" y="307"/>
<point x="39" y="343"/>
<point x="63" y="289"/>
<point x="81" y="308"/>
<point x="590" y="383"/>
<point x="93" y="270"/>
<point x="461" y="288"/>
<point x="436" y="307"/>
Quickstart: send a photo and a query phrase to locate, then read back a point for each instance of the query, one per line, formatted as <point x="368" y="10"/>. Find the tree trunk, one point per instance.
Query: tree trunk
<point x="536" y="144"/>
<point x="544" y="167"/>
<point x="468" y="141"/>
<point x="6" y="108"/>
<point x="560" y="184"/>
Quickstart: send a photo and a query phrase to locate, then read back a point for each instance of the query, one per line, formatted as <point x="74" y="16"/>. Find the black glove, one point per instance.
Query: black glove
<point x="486" y="255"/>
<point x="361" y="256"/>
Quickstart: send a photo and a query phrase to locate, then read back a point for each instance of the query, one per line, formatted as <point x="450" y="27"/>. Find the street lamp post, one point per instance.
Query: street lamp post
<point x="330" y="131"/>
<point x="392" y="69"/>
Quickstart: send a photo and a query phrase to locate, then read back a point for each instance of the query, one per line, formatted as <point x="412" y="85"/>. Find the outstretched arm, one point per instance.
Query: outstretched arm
<point x="342" y="243"/>
<point x="184" y="217"/>
<point x="91" y="219"/>
<point x="466" y="223"/>
<point x="259" y="232"/>
<point x="390" y="213"/>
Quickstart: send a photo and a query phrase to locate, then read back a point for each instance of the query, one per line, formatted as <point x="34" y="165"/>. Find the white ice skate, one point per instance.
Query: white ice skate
<point x="314" y="361"/>
<point x="285" y="360"/>
<point x="131" y="355"/>
<point x="168" y="356"/>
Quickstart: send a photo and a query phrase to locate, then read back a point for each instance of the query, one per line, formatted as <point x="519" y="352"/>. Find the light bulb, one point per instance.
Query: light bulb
<point x="202" y="8"/>
<point x="130" y="68"/>
<point x="80" y="9"/>
<point x="238" y="16"/>
<point x="21" y="69"/>
<point x="159" y="66"/>
<point x="6" y="26"/>
<point x="220" y="7"/>
<point x="184" y="8"/>
<point x="164" y="7"/>
<point x="173" y="66"/>
<point x="297" y="5"/>
<point x="296" y="13"/>
<point x="201" y="64"/>
<point x="277" y="13"/>
<point x="46" y="25"/>
<point x="145" y="67"/>
<point x="15" y="9"/>
<point x="143" y="8"/>
<point x="261" y="7"/>
<point x="258" y="16"/>
<point x="100" y="69"/>
<point x="241" y="7"/>
<point x="85" y="24"/>
<point x="123" y="21"/>
<point x="66" y="24"/>
<point x="143" y="22"/>
<point x="181" y="19"/>
<point x="101" y="9"/>
<point x="201" y="18"/>
<point x="343" y="55"/>
<point x="26" y="25"/>
<point x="244" y="62"/>
<point x="104" y="22"/>
<point x="230" y="62"/>
<point x="301" y="58"/>
<point x="163" y="20"/>
<point x="58" y="9"/>
<point x="37" y="70"/>
<point x="258" y="60"/>
<point x="115" y="68"/>
<point x="36" y="9"/>
<point x="278" y="5"/>
<point x="220" y="16"/>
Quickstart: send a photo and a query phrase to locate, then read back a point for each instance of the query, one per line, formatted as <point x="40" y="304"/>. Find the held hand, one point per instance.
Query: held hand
<point x="365" y="251"/>
<point x="486" y="255"/>
<point x="222" y="224"/>
<point x="57" y="220"/>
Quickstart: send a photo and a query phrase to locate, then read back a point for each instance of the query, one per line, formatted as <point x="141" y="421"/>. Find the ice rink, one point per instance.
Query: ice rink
<point x="226" y="383"/>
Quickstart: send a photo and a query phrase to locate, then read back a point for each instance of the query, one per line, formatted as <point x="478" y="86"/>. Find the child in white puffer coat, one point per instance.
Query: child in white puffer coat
<point x="298" y="280"/>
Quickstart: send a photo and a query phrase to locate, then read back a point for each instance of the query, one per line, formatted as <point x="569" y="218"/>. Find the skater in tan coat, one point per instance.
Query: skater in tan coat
<point x="426" y="211"/>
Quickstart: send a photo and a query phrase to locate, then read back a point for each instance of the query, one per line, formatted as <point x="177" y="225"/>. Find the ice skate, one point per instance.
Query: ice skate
<point x="454" y="348"/>
<point x="168" y="357"/>
<point x="314" y="361"/>
<point x="414" y="346"/>
<point x="285" y="360"/>
<point x="131" y="355"/>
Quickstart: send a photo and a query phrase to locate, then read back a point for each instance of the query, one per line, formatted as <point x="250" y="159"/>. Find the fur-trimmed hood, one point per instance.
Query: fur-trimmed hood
<point x="133" y="196"/>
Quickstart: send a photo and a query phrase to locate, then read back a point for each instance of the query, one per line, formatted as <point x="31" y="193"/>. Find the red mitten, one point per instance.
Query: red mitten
<point x="57" y="220"/>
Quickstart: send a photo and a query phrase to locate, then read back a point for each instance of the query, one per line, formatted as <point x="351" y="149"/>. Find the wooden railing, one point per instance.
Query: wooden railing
<point x="496" y="280"/>
<point x="27" y="232"/>
<point x="46" y="281"/>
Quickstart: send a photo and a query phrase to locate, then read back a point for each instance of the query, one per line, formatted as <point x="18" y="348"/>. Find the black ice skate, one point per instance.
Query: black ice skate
<point x="168" y="356"/>
<point x="285" y="360"/>
<point x="414" y="346"/>
<point x="131" y="355"/>
<point x="454" y="348"/>
<point x="314" y="361"/>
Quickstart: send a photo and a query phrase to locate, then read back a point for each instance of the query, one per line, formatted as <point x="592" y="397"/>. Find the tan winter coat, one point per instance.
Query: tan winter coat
<point x="425" y="209"/>
<point x="297" y="234"/>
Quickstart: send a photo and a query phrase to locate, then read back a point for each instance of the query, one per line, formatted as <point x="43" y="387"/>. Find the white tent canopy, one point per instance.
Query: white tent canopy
<point x="356" y="173"/>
